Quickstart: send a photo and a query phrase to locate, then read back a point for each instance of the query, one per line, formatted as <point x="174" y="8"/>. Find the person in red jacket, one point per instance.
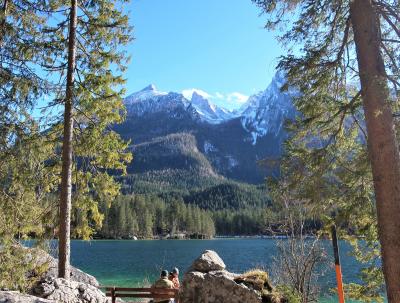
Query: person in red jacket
<point x="174" y="277"/>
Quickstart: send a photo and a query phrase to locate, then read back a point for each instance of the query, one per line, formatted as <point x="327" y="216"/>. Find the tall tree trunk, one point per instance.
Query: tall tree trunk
<point x="382" y="144"/>
<point x="66" y="182"/>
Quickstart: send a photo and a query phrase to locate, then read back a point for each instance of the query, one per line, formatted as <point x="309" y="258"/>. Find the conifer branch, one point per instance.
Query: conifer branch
<point x="390" y="40"/>
<point x="42" y="9"/>
<point x="359" y="126"/>
<point x="344" y="40"/>
<point x="392" y="25"/>
<point x="389" y="9"/>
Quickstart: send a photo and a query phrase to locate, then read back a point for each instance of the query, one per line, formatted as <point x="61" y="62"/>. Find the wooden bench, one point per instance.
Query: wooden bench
<point x="151" y="293"/>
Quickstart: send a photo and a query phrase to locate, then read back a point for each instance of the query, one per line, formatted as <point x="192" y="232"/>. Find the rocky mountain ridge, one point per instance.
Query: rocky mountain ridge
<point x="263" y="112"/>
<point x="232" y="142"/>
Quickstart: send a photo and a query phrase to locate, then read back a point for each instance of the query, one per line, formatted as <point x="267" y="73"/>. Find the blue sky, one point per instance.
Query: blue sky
<point x="217" y="46"/>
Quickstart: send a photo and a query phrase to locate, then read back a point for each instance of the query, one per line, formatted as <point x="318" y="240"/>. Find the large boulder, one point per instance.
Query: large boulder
<point x="81" y="288"/>
<point x="43" y="259"/>
<point x="216" y="287"/>
<point x="208" y="261"/>
<point x="68" y="291"/>
<point x="207" y="281"/>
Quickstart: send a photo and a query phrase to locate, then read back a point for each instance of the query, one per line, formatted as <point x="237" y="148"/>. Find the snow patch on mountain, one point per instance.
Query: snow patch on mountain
<point x="232" y="162"/>
<point x="267" y="111"/>
<point x="208" y="111"/>
<point x="208" y="147"/>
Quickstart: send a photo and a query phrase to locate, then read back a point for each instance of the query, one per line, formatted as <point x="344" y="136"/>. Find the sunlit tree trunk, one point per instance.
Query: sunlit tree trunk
<point x="66" y="182"/>
<point x="382" y="144"/>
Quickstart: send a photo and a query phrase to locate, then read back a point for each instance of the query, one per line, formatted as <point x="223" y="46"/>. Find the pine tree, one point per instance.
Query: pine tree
<point x="64" y="245"/>
<point x="22" y="53"/>
<point x="344" y="41"/>
<point x="132" y="225"/>
<point x="27" y="207"/>
<point x="147" y="224"/>
<point x="92" y="101"/>
<point x="27" y="171"/>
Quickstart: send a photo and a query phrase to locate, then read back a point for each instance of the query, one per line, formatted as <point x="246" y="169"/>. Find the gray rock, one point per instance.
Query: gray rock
<point x="81" y="288"/>
<point x="208" y="261"/>
<point x="207" y="281"/>
<point x="216" y="287"/>
<point x="58" y="291"/>
<point x="76" y="274"/>
<point x="44" y="288"/>
<point x="17" y="297"/>
<point x="68" y="291"/>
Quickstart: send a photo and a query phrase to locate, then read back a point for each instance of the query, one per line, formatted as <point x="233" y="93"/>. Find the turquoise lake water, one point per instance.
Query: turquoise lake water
<point x="130" y="263"/>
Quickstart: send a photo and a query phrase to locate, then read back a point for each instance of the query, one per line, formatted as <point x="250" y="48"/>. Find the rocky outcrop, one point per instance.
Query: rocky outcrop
<point x="57" y="290"/>
<point x="68" y="291"/>
<point x="44" y="259"/>
<point x="17" y="297"/>
<point x="207" y="281"/>
<point x="81" y="288"/>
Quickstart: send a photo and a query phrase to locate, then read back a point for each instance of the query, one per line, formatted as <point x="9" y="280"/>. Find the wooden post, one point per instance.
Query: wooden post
<point x="113" y="295"/>
<point x="337" y="264"/>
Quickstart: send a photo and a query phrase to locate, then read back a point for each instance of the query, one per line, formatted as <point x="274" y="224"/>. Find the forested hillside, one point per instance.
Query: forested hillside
<point x="170" y="170"/>
<point x="145" y="216"/>
<point x="228" y="208"/>
<point x="230" y="196"/>
<point x="167" y="164"/>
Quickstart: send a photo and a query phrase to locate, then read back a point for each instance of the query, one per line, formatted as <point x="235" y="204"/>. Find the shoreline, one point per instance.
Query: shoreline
<point x="188" y="239"/>
<point x="256" y="237"/>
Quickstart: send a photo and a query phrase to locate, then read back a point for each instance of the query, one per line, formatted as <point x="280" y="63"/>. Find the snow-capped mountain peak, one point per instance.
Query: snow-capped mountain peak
<point x="149" y="92"/>
<point x="252" y="103"/>
<point x="208" y="111"/>
<point x="279" y="79"/>
<point x="263" y="113"/>
<point x="202" y="103"/>
<point x="150" y="100"/>
<point x="267" y="111"/>
<point x="150" y="87"/>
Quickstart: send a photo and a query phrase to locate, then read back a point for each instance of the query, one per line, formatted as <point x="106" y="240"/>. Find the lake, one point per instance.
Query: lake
<point x="131" y="263"/>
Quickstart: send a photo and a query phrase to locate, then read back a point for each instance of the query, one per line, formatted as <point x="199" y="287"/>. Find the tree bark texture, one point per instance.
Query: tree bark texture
<point x="382" y="144"/>
<point x="64" y="243"/>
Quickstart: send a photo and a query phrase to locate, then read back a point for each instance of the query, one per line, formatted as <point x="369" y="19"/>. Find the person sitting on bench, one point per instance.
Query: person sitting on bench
<point x="163" y="282"/>
<point x="174" y="277"/>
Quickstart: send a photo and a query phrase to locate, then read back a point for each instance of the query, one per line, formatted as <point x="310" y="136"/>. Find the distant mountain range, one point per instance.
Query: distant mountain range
<point x="192" y="142"/>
